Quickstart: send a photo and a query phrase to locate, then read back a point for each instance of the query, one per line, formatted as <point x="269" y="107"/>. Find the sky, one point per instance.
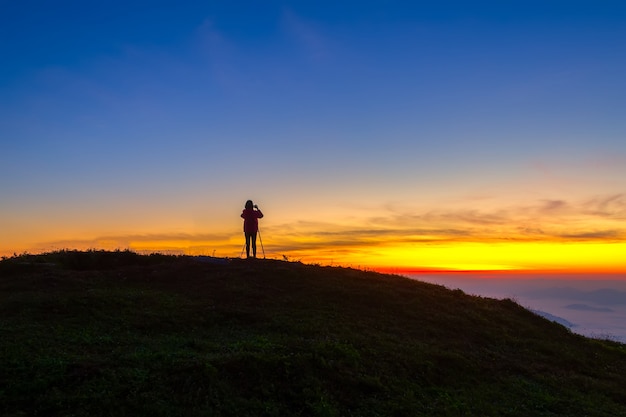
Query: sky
<point x="407" y="135"/>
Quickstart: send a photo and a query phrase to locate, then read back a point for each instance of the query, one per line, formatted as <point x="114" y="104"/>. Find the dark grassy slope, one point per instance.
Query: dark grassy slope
<point x="114" y="333"/>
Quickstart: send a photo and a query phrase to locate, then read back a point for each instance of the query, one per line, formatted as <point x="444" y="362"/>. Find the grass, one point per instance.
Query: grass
<point x="115" y="333"/>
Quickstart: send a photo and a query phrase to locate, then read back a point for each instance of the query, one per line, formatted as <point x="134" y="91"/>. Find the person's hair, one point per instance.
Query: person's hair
<point x="249" y="204"/>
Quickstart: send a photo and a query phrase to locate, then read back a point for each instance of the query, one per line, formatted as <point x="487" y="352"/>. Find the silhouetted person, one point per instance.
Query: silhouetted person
<point x="251" y="215"/>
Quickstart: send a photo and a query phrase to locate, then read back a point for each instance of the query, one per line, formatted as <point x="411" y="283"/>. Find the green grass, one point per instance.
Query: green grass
<point x="119" y="334"/>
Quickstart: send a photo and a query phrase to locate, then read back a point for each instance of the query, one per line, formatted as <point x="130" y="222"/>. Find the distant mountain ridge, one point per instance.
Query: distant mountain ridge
<point x="556" y="319"/>
<point x="604" y="296"/>
<point x="585" y="307"/>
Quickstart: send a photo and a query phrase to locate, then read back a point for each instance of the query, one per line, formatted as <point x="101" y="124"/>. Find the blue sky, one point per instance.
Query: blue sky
<point x="154" y="121"/>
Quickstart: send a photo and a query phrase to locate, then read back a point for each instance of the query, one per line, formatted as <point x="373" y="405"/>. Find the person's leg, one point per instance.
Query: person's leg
<point x="254" y="244"/>
<point x="248" y="238"/>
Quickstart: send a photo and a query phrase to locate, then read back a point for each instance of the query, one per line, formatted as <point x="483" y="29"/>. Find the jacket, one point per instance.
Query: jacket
<point x="251" y="220"/>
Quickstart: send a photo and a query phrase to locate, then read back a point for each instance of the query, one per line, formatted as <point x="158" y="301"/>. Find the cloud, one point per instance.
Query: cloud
<point x="596" y="235"/>
<point x="551" y="206"/>
<point x="554" y="220"/>
<point x="585" y="307"/>
<point x="612" y="206"/>
<point x="308" y="38"/>
<point x="597" y="219"/>
<point x="604" y="296"/>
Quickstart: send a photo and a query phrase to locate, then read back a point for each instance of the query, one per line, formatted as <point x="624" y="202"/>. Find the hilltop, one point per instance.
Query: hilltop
<point x="115" y="333"/>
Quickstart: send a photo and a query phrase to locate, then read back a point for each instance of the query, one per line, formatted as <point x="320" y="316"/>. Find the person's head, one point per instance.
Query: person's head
<point x="249" y="205"/>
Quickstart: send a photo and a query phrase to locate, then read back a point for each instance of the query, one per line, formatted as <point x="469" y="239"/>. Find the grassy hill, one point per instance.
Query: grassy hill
<point x="120" y="334"/>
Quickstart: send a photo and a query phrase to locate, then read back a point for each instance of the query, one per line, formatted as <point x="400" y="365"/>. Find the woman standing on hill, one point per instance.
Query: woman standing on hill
<point x="251" y="215"/>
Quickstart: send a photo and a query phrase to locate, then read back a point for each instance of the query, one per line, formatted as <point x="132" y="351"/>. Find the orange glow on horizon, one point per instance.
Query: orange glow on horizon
<point x="506" y="258"/>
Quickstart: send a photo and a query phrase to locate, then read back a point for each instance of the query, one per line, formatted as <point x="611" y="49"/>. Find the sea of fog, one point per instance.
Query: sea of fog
<point x="588" y="305"/>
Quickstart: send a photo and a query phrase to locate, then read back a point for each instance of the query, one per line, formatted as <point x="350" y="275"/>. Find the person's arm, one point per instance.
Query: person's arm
<point x="259" y="213"/>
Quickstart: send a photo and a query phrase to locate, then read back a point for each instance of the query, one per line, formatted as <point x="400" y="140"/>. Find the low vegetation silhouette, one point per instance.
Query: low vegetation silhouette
<point x="100" y="333"/>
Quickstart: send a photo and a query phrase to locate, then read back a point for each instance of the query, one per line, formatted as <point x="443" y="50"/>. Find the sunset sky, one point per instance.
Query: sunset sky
<point x="399" y="134"/>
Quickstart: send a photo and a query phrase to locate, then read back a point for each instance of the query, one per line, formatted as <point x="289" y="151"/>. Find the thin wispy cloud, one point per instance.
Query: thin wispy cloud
<point x="612" y="206"/>
<point x="218" y="57"/>
<point x="306" y="35"/>
<point x="546" y="220"/>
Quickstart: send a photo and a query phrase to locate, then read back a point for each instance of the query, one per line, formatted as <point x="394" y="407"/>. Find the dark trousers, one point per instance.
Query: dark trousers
<point x="251" y="238"/>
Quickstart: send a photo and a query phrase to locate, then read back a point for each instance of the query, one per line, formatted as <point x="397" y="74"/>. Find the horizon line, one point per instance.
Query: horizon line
<point x="485" y="273"/>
